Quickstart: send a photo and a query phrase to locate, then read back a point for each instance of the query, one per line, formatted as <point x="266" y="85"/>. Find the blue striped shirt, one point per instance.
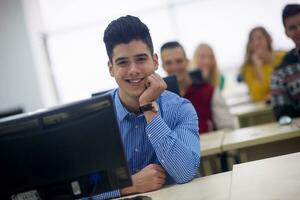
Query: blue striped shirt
<point x="171" y="139"/>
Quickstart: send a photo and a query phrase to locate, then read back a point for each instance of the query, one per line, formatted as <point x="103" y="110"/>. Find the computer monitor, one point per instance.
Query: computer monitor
<point x="66" y="152"/>
<point x="10" y="112"/>
<point x="172" y="84"/>
<point x="101" y="93"/>
<point x="197" y="77"/>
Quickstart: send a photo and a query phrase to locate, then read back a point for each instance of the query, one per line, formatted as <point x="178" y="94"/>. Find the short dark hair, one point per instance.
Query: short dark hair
<point x="123" y="30"/>
<point x="289" y="11"/>
<point x="171" y="45"/>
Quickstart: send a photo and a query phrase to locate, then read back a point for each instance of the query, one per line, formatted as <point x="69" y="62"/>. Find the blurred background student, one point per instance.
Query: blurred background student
<point x="259" y="63"/>
<point x="285" y="84"/>
<point x="205" y="60"/>
<point x="213" y="114"/>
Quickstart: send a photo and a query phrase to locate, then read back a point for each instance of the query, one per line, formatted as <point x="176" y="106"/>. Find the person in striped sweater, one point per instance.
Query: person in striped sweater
<point x="285" y="83"/>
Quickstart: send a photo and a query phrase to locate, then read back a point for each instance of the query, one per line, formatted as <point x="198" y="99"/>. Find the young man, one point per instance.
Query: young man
<point x="285" y="82"/>
<point x="159" y="129"/>
<point x="211" y="108"/>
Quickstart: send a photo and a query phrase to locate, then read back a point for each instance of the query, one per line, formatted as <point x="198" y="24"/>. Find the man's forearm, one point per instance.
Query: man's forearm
<point x="179" y="156"/>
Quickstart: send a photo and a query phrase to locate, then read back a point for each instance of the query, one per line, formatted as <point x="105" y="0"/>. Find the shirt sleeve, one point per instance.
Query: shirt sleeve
<point x="106" y="195"/>
<point x="178" y="150"/>
<point x="221" y="115"/>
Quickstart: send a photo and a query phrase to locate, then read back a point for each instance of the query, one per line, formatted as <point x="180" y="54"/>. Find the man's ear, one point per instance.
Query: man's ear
<point x="155" y="61"/>
<point x="110" y="67"/>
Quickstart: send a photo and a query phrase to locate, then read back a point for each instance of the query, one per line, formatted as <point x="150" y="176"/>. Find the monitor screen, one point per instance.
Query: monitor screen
<point x="74" y="148"/>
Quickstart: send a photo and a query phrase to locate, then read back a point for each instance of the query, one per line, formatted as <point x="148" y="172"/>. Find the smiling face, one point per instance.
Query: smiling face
<point x="292" y="28"/>
<point x="131" y="64"/>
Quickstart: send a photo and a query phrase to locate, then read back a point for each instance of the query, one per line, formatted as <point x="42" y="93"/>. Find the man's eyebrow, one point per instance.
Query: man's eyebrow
<point x="120" y="59"/>
<point x="141" y="55"/>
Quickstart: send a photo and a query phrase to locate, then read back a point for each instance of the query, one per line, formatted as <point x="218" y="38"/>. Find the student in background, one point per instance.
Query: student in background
<point x="285" y="83"/>
<point x="159" y="129"/>
<point x="260" y="61"/>
<point x="205" y="60"/>
<point x="211" y="108"/>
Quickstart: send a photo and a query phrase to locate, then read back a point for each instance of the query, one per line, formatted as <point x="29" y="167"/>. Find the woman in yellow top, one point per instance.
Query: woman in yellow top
<point x="259" y="63"/>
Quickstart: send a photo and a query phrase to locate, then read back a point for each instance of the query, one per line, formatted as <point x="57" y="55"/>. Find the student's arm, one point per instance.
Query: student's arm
<point x="281" y="102"/>
<point x="221" y="115"/>
<point x="150" y="178"/>
<point x="178" y="150"/>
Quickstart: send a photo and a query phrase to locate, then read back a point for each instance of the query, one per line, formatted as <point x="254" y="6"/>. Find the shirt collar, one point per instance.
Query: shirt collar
<point x="121" y="110"/>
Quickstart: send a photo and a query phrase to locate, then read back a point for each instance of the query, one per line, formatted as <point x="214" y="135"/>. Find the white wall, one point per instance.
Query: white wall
<point x="18" y="76"/>
<point x="76" y="27"/>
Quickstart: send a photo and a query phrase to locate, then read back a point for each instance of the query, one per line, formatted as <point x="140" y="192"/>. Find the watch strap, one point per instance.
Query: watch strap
<point x="146" y="107"/>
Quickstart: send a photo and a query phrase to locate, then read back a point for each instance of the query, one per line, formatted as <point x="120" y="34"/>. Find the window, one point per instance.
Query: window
<point x="74" y="30"/>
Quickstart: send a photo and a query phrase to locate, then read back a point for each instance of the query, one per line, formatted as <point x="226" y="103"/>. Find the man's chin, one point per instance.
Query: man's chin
<point x="133" y="93"/>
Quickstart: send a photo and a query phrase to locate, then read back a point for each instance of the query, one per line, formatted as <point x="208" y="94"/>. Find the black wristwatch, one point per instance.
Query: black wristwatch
<point x="149" y="107"/>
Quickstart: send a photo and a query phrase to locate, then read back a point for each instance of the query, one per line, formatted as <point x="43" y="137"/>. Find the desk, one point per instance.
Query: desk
<point x="274" y="178"/>
<point x="211" y="143"/>
<point x="215" y="187"/>
<point x="251" y="114"/>
<point x="211" y="148"/>
<point x="235" y="101"/>
<point x="264" y="140"/>
<point x="296" y="122"/>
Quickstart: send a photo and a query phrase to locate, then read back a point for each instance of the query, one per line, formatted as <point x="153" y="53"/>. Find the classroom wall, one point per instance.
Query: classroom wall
<point x="20" y="81"/>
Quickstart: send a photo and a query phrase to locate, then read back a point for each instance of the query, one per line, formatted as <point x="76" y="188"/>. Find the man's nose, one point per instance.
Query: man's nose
<point x="133" y="69"/>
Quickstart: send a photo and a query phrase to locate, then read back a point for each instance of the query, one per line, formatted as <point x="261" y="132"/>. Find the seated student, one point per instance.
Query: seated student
<point x="159" y="129"/>
<point x="260" y="61"/>
<point x="212" y="112"/>
<point x="205" y="60"/>
<point x="285" y="83"/>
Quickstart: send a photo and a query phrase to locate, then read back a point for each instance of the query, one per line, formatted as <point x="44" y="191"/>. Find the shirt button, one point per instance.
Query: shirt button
<point x="162" y="161"/>
<point x="136" y="126"/>
<point x="149" y="135"/>
<point x="136" y="150"/>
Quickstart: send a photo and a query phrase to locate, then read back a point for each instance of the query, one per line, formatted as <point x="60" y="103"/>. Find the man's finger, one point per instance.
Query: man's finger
<point x="159" y="168"/>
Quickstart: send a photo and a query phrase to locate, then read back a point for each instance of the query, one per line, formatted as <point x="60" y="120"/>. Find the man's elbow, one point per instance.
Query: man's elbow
<point x="187" y="175"/>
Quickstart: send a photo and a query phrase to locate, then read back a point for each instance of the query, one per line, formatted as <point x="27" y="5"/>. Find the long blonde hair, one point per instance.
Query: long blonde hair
<point x="214" y="75"/>
<point x="249" y="51"/>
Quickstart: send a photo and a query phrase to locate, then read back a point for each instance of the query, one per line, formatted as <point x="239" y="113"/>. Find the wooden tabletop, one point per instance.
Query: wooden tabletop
<point x="211" y="143"/>
<point x="296" y="122"/>
<point x="261" y="134"/>
<point x="238" y="100"/>
<point x="214" y="187"/>
<point x="275" y="178"/>
<point x="250" y="109"/>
